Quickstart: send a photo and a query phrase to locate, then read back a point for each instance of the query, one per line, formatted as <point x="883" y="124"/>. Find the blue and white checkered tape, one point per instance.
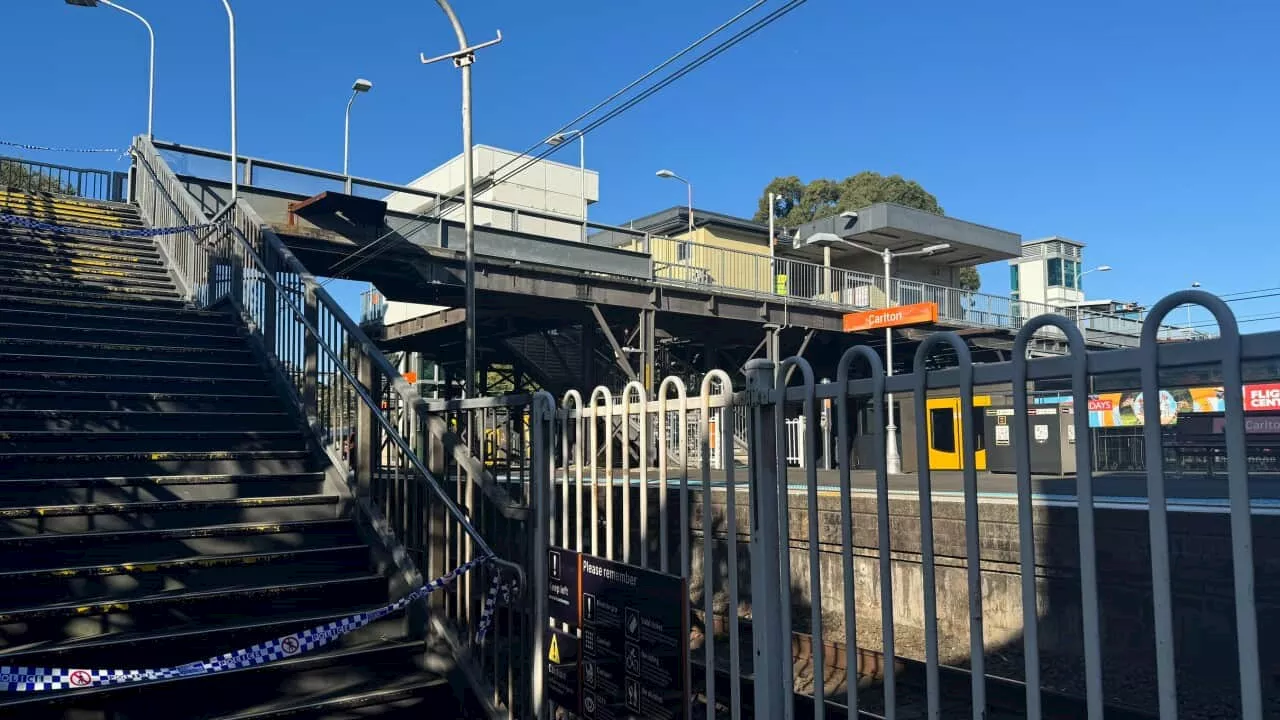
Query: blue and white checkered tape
<point x="33" y="224"/>
<point x="37" y="679"/>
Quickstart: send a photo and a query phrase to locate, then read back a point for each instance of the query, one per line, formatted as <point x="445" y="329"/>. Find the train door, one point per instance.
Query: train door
<point x="946" y="428"/>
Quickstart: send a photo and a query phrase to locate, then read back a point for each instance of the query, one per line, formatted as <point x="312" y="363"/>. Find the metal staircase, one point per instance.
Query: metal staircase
<point x="174" y="484"/>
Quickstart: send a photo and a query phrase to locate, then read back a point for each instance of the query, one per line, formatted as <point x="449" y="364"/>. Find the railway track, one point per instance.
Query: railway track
<point x="1006" y="697"/>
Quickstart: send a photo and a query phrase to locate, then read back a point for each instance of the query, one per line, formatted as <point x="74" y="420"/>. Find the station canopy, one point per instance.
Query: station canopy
<point x="903" y="229"/>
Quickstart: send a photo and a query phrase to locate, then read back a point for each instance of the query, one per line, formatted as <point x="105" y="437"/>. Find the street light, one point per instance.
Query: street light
<point x="151" y="73"/>
<point x="360" y="86"/>
<point x="1194" y="286"/>
<point x="235" y="160"/>
<point x="893" y="458"/>
<point x="670" y="175"/>
<point x="560" y="138"/>
<point x="463" y="58"/>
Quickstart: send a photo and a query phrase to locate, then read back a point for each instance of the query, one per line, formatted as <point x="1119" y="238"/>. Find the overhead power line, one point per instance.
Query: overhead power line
<point x="420" y="221"/>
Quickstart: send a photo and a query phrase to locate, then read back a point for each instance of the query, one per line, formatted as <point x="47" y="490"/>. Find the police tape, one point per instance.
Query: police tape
<point x="25" y="146"/>
<point x="33" y="224"/>
<point x="37" y="679"/>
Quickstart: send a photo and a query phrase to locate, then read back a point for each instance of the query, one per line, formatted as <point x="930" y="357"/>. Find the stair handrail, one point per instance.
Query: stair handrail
<point x="189" y="207"/>
<point x="148" y="156"/>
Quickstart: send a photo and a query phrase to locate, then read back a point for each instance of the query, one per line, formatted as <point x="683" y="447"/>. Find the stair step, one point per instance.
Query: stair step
<point x="72" y="281"/>
<point x="21" y="237"/>
<point x="75" y="268"/>
<point x="72" y="363"/>
<point x="62" y="519"/>
<point x="165" y="611"/>
<point x="153" y="442"/>
<point x="68" y="400"/>
<point x="60" y="294"/>
<point x="219" y="338"/>
<point x="89" y="584"/>
<point x="20" y="552"/>
<point x="80" y="347"/>
<point x="53" y="211"/>
<point x="140" y="311"/>
<point x="323" y="675"/>
<point x="419" y="695"/>
<point x="43" y="196"/>
<point x="98" y="490"/>
<point x="26" y="465"/>
<point x="62" y="420"/>
<point x="172" y="647"/>
<point x="75" y="222"/>
<point x="36" y="254"/>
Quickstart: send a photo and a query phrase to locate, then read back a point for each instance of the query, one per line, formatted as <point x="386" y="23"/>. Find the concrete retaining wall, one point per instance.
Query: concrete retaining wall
<point x="1200" y="559"/>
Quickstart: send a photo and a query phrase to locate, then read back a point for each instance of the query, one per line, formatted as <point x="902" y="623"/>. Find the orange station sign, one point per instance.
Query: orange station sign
<point x="897" y="316"/>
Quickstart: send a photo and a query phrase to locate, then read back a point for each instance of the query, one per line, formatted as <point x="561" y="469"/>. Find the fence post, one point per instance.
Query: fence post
<point x="771" y="654"/>
<point x="366" y="445"/>
<point x="310" y="354"/>
<point x="541" y="415"/>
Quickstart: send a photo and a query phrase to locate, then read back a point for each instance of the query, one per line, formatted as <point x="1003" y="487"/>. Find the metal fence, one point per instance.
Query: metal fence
<point x="40" y="177"/>
<point x="829" y="595"/>
<point x="681" y="262"/>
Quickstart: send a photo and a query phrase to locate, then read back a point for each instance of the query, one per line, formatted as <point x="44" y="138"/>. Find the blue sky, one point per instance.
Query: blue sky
<point x="1144" y="129"/>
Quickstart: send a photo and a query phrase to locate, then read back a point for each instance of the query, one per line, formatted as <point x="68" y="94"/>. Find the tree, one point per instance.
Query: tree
<point x="798" y="202"/>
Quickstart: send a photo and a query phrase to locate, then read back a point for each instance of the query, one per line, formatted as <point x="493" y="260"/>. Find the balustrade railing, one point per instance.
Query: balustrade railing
<point x="365" y="414"/>
<point x="40" y="177"/>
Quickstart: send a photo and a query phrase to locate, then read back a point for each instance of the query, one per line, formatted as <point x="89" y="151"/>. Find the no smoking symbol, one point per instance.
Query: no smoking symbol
<point x="289" y="645"/>
<point x="80" y="678"/>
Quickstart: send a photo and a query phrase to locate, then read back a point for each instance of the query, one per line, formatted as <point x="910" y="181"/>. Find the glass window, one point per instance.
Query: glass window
<point x="684" y="251"/>
<point x="1055" y="272"/>
<point x="1071" y="269"/>
<point x="1013" y="278"/>
<point x="942" y="426"/>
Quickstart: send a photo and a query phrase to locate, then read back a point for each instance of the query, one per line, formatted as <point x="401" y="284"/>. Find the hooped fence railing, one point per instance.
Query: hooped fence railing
<point x="413" y="475"/>
<point x="825" y="594"/>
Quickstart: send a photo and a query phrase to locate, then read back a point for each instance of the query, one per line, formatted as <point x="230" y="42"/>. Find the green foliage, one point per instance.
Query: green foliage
<point x="16" y="175"/>
<point x="798" y="202"/>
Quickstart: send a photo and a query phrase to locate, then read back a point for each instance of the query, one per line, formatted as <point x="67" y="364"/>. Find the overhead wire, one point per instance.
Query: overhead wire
<point x="442" y="201"/>
<point x="629" y="104"/>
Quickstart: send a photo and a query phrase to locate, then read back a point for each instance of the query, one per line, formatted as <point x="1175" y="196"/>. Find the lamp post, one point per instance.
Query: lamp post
<point x="151" y="72"/>
<point x="688" y="185"/>
<point x="893" y="458"/>
<point x="559" y="138"/>
<point x="360" y="86"/>
<point x="235" y="160"/>
<point x="463" y="58"/>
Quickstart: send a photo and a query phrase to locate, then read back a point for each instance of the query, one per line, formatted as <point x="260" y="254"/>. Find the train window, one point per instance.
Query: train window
<point x="942" y="429"/>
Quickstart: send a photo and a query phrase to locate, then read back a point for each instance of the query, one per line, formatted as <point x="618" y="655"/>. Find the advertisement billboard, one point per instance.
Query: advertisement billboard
<point x="1128" y="409"/>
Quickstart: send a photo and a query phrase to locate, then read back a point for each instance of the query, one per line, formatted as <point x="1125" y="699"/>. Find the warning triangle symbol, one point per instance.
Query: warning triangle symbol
<point x="554" y="653"/>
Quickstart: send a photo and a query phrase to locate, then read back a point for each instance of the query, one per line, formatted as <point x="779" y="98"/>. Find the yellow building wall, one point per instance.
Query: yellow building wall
<point x="721" y="257"/>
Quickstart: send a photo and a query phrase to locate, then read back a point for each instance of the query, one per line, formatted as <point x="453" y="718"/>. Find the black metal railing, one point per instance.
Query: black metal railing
<point x="39" y="177"/>
<point x="407" y="467"/>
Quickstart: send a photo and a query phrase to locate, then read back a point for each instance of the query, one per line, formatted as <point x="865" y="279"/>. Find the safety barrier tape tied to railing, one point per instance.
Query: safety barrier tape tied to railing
<point x="30" y="224"/>
<point x="37" y="679"/>
<point x="25" y="146"/>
